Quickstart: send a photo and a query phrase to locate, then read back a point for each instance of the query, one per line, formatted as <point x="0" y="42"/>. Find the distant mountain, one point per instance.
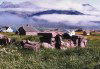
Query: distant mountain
<point x="66" y="12"/>
<point x="31" y="14"/>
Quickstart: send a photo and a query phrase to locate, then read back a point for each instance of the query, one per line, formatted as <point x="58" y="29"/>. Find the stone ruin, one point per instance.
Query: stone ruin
<point x="67" y="41"/>
<point x="48" y="41"/>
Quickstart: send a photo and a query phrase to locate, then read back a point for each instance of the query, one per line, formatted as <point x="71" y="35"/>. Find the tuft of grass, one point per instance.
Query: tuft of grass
<point x="14" y="56"/>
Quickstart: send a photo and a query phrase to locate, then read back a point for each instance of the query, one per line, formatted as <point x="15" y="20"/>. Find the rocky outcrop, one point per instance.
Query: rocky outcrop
<point x="31" y="45"/>
<point x="4" y="40"/>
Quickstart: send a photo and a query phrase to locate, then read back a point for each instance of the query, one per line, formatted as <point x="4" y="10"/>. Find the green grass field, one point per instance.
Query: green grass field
<point x="13" y="56"/>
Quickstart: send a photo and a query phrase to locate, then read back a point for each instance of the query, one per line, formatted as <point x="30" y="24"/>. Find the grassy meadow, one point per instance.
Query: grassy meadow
<point x="13" y="56"/>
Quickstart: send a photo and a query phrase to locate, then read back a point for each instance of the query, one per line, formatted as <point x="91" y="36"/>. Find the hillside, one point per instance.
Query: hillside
<point x="13" y="56"/>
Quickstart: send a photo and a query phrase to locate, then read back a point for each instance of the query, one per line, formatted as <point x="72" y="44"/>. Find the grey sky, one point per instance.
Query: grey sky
<point x="95" y="3"/>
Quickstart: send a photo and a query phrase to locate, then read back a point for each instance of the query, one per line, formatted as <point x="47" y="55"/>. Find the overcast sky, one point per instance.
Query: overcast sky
<point x="95" y="3"/>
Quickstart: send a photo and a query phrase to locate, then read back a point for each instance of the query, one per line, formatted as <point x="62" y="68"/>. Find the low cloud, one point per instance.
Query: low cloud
<point x="70" y="18"/>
